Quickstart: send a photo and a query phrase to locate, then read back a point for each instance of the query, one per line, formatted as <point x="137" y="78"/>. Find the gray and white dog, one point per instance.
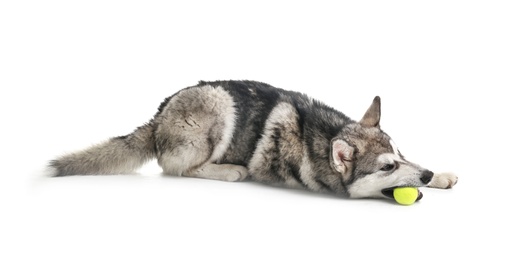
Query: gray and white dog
<point x="237" y="130"/>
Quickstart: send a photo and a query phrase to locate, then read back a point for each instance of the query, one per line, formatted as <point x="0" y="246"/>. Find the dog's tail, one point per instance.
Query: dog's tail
<point x="119" y="155"/>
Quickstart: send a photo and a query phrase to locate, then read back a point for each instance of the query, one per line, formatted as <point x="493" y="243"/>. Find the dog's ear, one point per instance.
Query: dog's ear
<point x="342" y="154"/>
<point x="373" y="114"/>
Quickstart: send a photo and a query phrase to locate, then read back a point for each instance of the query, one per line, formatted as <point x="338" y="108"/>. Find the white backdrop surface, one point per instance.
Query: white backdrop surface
<point x="73" y="73"/>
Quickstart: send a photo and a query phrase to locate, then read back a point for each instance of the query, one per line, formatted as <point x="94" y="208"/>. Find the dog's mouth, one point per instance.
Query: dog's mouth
<point x="388" y="192"/>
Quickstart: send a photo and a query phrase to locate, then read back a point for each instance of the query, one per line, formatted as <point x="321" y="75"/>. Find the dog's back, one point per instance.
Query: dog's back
<point x="233" y="112"/>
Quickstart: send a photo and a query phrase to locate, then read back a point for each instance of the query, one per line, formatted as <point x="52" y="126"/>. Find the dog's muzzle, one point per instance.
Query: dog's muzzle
<point x="425" y="178"/>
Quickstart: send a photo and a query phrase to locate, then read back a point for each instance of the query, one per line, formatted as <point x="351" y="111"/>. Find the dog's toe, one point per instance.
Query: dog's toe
<point x="452" y="182"/>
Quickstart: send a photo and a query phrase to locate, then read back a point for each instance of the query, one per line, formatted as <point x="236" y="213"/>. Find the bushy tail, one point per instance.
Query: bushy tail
<point x="118" y="155"/>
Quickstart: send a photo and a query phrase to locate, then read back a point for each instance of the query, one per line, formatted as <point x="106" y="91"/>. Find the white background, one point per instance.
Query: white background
<point x="73" y="73"/>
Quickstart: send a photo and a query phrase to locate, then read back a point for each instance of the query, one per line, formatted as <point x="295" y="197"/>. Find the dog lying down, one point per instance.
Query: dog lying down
<point x="239" y="130"/>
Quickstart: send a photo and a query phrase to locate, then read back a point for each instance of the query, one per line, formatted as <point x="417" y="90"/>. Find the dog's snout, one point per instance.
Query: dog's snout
<point x="426" y="176"/>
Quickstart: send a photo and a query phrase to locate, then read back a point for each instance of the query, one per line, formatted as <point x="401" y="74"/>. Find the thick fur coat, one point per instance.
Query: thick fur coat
<point x="236" y="130"/>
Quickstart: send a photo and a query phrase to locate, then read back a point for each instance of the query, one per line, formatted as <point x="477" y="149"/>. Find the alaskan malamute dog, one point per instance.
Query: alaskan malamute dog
<point x="237" y="130"/>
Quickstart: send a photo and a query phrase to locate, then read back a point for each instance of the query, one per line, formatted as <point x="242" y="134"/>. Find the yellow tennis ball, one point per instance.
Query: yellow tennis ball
<point x="405" y="195"/>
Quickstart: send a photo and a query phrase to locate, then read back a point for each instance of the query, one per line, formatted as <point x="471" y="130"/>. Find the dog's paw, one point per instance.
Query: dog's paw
<point x="236" y="173"/>
<point x="221" y="172"/>
<point x="443" y="180"/>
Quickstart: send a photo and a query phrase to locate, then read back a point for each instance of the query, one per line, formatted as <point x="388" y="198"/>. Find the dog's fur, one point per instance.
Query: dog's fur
<point x="235" y="130"/>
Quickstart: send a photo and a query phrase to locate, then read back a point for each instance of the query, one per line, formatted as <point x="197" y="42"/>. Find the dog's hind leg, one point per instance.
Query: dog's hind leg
<point x="443" y="180"/>
<point x="194" y="129"/>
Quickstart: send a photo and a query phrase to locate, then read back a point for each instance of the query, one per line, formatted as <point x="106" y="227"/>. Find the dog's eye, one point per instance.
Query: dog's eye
<point x="388" y="167"/>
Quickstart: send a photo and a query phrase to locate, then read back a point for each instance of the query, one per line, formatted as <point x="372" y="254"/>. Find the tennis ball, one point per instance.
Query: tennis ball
<point x="405" y="195"/>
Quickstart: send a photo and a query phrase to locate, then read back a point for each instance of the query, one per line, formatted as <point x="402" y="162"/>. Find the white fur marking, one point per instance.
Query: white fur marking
<point x="228" y="129"/>
<point x="388" y="158"/>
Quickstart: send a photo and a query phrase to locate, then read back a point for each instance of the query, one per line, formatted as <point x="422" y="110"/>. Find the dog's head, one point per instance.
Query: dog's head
<point x="370" y="163"/>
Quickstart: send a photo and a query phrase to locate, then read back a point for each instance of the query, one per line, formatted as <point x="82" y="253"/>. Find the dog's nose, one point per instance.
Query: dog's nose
<point x="426" y="176"/>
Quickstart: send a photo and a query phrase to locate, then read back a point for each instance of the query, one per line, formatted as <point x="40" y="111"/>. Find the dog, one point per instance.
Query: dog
<point x="247" y="130"/>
